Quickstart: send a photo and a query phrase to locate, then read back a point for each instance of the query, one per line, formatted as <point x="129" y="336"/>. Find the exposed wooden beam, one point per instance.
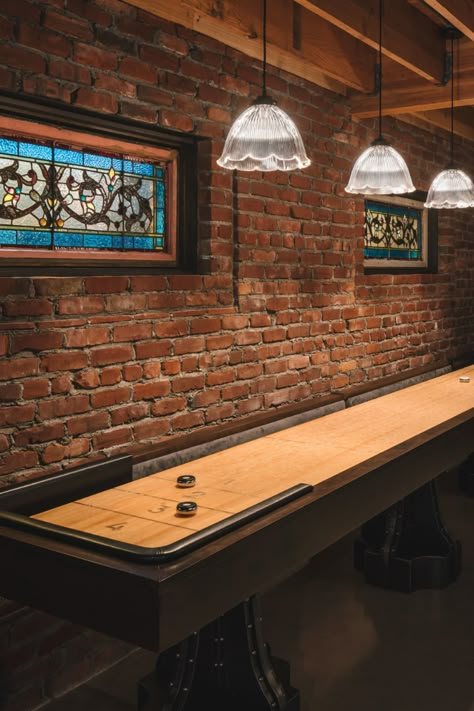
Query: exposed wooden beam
<point x="334" y="64"/>
<point x="408" y="96"/>
<point x="409" y="38"/>
<point x="433" y="120"/>
<point x="459" y="13"/>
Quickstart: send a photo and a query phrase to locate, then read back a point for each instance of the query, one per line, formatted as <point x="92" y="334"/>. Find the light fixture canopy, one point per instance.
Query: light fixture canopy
<point x="452" y="188"/>
<point x="380" y="170"/>
<point x="263" y="137"/>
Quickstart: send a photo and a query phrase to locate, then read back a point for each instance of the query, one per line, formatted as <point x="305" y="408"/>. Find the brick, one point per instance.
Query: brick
<point x="111" y="354"/>
<point x="110" y="376"/>
<point x="61" y="406"/>
<point x="189" y="345"/>
<point x="18" y="461"/>
<point x="42" y="433"/>
<point x="4" y="443"/>
<point x="168" y="406"/>
<point x="153" y="349"/>
<point x="94" y="57"/>
<point x="171" y="328"/>
<point x="61" y="384"/>
<point x="67" y="25"/>
<point x="149" y="391"/>
<point x="152" y="369"/>
<point x="37" y="342"/>
<point x="22" y="59"/>
<point x="31" y="307"/>
<point x="70" y="360"/>
<point x="151" y="429"/>
<point x="132" y="332"/>
<point x="126" y="302"/>
<point x="234" y="323"/>
<point x="219" y="377"/>
<point x="69" y="72"/>
<point x="14" y="415"/>
<point x="97" y="100"/>
<point x="148" y="283"/>
<point x="129" y="413"/>
<point x="18" y="367"/>
<point x="179" y="122"/>
<point x="187" y="382"/>
<point x="87" y="379"/>
<point x="10" y="391"/>
<point x="214" y="343"/>
<point x="87" y="423"/>
<point x="205" y="325"/>
<point x="44" y="41"/>
<point x="139" y="112"/>
<point x="112" y="396"/>
<point x="80" y="337"/>
<point x="107" y="82"/>
<point x="112" y="438"/>
<point x="132" y="372"/>
<point x="131" y="67"/>
<point x="38" y="387"/>
<point x="188" y="420"/>
<point x="106" y="284"/>
<point x="81" y="305"/>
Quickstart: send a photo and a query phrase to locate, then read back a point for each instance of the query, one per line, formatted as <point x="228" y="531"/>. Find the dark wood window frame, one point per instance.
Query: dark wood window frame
<point x="121" y="131"/>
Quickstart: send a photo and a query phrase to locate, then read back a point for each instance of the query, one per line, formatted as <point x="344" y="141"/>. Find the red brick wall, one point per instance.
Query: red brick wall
<point x="280" y="311"/>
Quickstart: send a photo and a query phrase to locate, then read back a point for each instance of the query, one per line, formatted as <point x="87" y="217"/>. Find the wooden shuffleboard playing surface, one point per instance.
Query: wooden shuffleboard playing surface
<point x="325" y="453"/>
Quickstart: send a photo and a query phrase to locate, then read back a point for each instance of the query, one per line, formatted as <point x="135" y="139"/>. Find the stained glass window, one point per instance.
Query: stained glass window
<point x="60" y="197"/>
<point x="393" y="231"/>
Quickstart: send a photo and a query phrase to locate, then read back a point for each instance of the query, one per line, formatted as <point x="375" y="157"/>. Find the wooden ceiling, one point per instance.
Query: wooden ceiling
<point x="333" y="43"/>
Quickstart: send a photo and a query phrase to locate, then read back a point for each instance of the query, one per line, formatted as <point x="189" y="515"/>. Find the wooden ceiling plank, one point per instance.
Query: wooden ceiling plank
<point x="433" y="120"/>
<point x="459" y="13"/>
<point x="238" y="25"/>
<point x="409" y="38"/>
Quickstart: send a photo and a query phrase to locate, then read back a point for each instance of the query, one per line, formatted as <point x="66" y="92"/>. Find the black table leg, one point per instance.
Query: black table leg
<point x="466" y="476"/>
<point x="407" y="547"/>
<point x="226" y="665"/>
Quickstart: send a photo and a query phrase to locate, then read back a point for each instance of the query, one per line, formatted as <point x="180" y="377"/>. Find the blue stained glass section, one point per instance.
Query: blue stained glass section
<point x="159" y="172"/>
<point x="128" y="166"/>
<point x="117" y="242"/>
<point x="62" y="155"/>
<point x="159" y="241"/>
<point x="34" y="239"/>
<point x="8" y="236"/>
<point x="98" y="241"/>
<point x="128" y="242"/>
<point x="95" y="161"/>
<point x="10" y="147"/>
<point x="143" y="243"/>
<point x="143" y="168"/>
<point x="117" y="164"/>
<point x="160" y="221"/>
<point x="160" y="193"/>
<point x="34" y="150"/>
<point x="68" y="239"/>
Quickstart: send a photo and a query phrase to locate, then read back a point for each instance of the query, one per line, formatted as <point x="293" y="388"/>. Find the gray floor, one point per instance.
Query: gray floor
<point x="352" y="647"/>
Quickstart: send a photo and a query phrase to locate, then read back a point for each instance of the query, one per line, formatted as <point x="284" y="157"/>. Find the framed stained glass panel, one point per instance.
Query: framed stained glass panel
<point x="69" y="198"/>
<point x="400" y="234"/>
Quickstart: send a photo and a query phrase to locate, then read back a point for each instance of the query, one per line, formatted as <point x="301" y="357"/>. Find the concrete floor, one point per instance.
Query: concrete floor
<point x="351" y="646"/>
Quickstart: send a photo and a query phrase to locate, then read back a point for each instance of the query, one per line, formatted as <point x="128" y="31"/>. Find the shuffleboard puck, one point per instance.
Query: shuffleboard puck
<point x="186" y="508"/>
<point x="186" y="480"/>
<point x="464" y="379"/>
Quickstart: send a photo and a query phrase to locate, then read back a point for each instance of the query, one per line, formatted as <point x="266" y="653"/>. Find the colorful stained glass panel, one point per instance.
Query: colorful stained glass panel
<point x="393" y="231"/>
<point x="61" y="197"/>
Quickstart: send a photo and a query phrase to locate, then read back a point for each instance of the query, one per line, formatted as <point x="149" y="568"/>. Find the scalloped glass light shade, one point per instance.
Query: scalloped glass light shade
<point x="264" y="138"/>
<point x="380" y="170"/>
<point x="451" y="188"/>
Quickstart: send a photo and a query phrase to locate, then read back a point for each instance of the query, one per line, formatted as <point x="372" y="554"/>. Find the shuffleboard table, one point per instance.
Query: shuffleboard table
<point x="174" y="562"/>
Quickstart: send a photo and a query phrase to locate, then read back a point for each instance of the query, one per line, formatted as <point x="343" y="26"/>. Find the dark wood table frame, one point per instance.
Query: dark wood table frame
<point x="157" y="606"/>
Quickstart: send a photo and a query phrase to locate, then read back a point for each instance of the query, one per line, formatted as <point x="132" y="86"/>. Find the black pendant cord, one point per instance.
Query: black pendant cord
<point x="452" y="104"/>
<point x="380" y="67"/>
<point x="264" y="73"/>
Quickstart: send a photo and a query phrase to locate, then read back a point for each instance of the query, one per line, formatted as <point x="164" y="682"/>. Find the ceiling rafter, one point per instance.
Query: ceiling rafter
<point x="422" y="52"/>
<point x="459" y="13"/>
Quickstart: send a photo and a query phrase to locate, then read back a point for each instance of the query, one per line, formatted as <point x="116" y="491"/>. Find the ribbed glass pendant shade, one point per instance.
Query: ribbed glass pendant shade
<point x="380" y="170"/>
<point x="451" y="188"/>
<point x="263" y="138"/>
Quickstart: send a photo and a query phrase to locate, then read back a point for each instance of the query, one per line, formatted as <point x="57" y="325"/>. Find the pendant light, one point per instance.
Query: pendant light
<point x="380" y="170"/>
<point x="264" y="137"/>
<point x="452" y="187"/>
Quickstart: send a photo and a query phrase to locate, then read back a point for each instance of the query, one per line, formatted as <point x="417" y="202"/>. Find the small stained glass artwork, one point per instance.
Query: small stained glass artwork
<point x="393" y="232"/>
<point x="65" y="198"/>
